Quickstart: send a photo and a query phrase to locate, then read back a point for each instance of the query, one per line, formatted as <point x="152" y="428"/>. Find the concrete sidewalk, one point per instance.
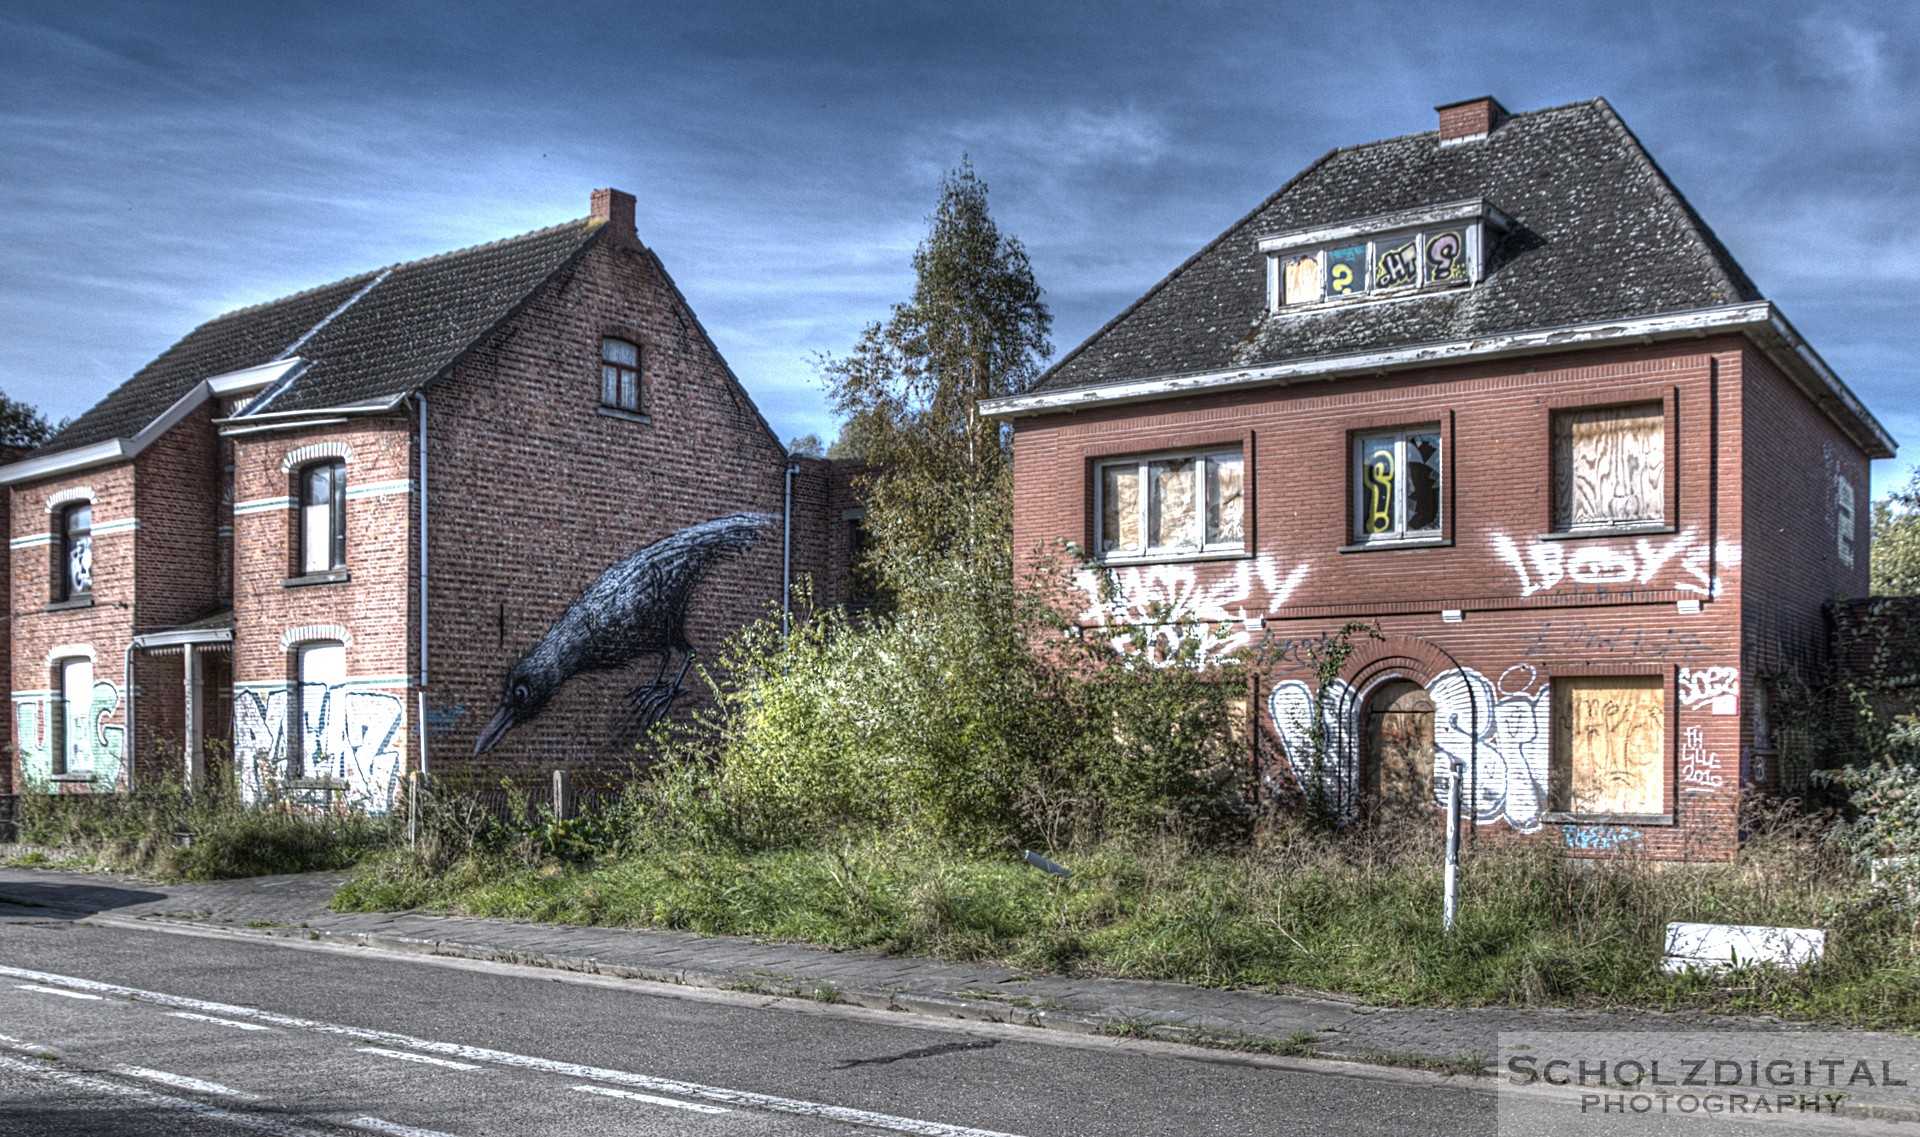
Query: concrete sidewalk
<point x="296" y="906"/>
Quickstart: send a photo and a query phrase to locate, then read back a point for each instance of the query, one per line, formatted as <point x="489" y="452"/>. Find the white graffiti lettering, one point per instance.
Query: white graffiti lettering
<point x="1699" y="767"/>
<point x="1165" y="602"/>
<point x="348" y="736"/>
<point x="1542" y="566"/>
<point x="1716" y="688"/>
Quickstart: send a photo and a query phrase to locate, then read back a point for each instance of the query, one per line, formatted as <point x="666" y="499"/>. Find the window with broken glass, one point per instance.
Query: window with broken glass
<point x="323" y="517"/>
<point x="76" y="552"/>
<point x="1170" y="505"/>
<point x="1397" y="484"/>
<point x="1376" y="265"/>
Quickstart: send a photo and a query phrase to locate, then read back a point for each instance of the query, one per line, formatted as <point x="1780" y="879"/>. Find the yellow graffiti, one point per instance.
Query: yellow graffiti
<point x="1379" y="483"/>
<point x="1342" y="276"/>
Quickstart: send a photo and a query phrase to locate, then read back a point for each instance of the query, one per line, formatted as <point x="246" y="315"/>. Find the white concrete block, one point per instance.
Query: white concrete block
<point x="1712" y="947"/>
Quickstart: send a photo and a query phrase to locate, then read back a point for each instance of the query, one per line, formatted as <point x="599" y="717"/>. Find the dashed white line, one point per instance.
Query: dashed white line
<point x="56" y="991"/>
<point x="221" y="1022"/>
<point x="427" y="1058"/>
<point x="398" y="1130"/>
<point x="610" y="1092"/>
<point x="182" y="1082"/>
<point x="743" y="1098"/>
<point x="163" y="1101"/>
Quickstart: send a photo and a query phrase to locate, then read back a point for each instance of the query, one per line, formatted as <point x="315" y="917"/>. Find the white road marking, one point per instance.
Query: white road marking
<point x="163" y="1101"/>
<point x="395" y="1128"/>
<point x="55" y="991"/>
<point x="427" y="1058"/>
<point x="182" y="1082"/>
<point x="744" y="1098"/>
<point x="221" y="1022"/>
<point x="610" y="1092"/>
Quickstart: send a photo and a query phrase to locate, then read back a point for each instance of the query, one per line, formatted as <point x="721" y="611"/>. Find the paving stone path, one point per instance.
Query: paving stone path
<point x="1294" y="1024"/>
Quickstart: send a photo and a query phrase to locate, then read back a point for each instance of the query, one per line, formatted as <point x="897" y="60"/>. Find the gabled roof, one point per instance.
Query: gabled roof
<point x="1598" y="236"/>
<point x="371" y="339"/>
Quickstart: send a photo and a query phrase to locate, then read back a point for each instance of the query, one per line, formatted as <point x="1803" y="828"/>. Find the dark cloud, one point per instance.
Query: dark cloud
<point x="168" y="162"/>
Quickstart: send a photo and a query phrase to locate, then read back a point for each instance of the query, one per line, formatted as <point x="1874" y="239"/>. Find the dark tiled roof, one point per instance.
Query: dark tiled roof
<point x="406" y="329"/>
<point x="1599" y="233"/>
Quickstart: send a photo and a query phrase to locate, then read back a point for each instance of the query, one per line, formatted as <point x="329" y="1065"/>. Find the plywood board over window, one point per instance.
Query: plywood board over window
<point x="1609" y="744"/>
<point x="1609" y="467"/>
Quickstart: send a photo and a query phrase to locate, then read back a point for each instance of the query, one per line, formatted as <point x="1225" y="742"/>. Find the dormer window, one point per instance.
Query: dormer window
<point x="1392" y="254"/>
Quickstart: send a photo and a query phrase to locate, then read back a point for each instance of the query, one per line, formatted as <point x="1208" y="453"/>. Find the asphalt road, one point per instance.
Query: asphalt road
<point x="107" y="1031"/>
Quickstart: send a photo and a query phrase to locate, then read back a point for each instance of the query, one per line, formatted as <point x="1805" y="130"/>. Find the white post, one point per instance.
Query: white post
<point x="1451" y="903"/>
<point x="195" y="759"/>
<point x="559" y="795"/>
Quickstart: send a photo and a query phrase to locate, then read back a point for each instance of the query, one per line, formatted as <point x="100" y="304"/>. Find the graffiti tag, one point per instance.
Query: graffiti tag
<point x="36" y="737"/>
<point x="1687" y="564"/>
<point x="346" y="734"/>
<point x="1716" y="688"/>
<point x="1602" y="838"/>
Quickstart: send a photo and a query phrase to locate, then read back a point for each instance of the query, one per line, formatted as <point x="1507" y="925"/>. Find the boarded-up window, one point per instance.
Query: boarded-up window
<point x="1609" y="467"/>
<point x="1609" y="744"/>
<point x="1174" y="504"/>
<point x="1301" y="279"/>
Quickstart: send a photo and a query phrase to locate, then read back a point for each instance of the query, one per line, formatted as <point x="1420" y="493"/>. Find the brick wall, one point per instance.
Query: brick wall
<point x="1529" y="607"/>
<point x="42" y="632"/>
<point x="535" y="493"/>
<point x="1805" y="541"/>
<point x="363" y="728"/>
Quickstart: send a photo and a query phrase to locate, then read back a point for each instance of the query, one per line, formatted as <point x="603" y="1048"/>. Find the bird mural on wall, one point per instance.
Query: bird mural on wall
<point x="637" y="608"/>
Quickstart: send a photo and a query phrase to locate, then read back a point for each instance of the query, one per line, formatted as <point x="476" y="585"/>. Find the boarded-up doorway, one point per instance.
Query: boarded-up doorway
<point x="1399" y="748"/>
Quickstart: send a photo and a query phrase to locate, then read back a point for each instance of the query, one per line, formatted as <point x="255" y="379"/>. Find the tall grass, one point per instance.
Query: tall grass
<point x="1355" y="913"/>
<point x="164" y="831"/>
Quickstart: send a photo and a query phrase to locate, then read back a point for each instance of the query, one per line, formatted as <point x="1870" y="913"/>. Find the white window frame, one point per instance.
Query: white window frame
<point x="1143" y="464"/>
<point x="622" y="371"/>
<point x="72" y="721"/>
<point x="300" y="762"/>
<point x="1471" y="218"/>
<point x="1400" y="534"/>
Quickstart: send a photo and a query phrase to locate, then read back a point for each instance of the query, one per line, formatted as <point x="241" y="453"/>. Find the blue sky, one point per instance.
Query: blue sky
<point x="163" y="163"/>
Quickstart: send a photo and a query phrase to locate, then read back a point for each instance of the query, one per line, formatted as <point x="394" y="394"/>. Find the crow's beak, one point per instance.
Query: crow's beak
<point x="495" y="731"/>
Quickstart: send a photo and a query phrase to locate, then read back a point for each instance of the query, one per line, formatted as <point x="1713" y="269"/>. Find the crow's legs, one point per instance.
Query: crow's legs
<point x="650" y="702"/>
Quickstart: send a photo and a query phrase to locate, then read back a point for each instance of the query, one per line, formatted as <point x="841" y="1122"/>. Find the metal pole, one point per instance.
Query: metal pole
<point x="786" y="554"/>
<point x="1451" y="905"/>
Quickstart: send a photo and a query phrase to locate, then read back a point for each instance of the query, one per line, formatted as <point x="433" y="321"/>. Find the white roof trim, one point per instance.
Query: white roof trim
<point x="120" y="449"/>
<point x="253" y="378"/>
<point x="1759" y="320"/>
<point x="1472" y="209"/>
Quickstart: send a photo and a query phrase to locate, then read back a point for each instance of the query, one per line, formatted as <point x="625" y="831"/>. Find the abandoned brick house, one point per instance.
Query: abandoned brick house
<point x="1498" y="388"/>
<point x="468" y="513"/>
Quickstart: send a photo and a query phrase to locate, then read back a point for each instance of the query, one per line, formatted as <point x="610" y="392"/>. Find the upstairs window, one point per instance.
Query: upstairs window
<point x="1397" y="485"/>
<point x="1410" y="251"/>
<point x="75" y="579"/>
<point x="323" y="517"/>
<point x="620" y="375"/>
<point x="1609" y="468"/>
<point x="1171" y="505"/>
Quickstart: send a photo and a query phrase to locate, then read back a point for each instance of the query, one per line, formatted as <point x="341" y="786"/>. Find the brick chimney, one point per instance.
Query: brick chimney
<point x="1470" y="119"/>
<point x="616" y="209"/>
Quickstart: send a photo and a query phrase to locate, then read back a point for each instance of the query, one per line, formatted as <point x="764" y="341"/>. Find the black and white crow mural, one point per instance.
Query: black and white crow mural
<point x="637" y="608"/>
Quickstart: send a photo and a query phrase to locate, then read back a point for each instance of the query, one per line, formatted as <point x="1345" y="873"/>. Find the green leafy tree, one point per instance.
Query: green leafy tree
<point x="22" y="424"/>
<point x="1896" y="541"/>
<point x="975" y="328"/>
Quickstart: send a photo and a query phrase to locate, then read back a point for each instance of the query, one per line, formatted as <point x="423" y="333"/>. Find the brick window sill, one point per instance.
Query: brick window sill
<point x="1622" y="531"/>
<point x="1176" y="558"/>
<point x="82" y="779"/>
<point x="1383" y="546"/>
<point x="1608" y="818"/>
<point x="629" y="416"/>
<point x="337" y="576"/>
<point x="69" y="605"/>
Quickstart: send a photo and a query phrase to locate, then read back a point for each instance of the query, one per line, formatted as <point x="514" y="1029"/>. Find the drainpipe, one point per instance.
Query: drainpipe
<point x="127" y="747"/>
<point x="421" y="694"/>
<point x="786" y="554"/>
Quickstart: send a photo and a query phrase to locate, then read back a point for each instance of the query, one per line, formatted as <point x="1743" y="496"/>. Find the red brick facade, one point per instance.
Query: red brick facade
<point x="1488" y="616"/>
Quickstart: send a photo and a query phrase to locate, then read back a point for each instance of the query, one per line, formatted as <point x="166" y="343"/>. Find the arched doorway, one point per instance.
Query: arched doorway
<point x="1399" y="748"/>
